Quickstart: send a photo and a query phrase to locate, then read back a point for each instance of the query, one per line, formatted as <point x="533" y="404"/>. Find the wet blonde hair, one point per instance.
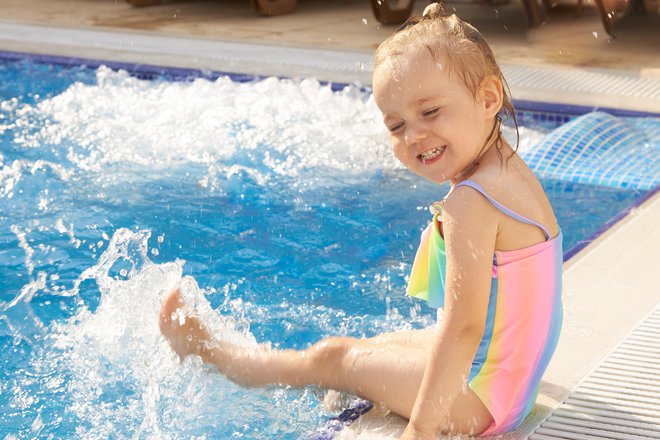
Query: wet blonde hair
<point x="468" y="55"/>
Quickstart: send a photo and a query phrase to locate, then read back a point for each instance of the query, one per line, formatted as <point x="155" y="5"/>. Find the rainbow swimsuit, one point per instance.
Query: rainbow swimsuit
<point x="523" y="320"/>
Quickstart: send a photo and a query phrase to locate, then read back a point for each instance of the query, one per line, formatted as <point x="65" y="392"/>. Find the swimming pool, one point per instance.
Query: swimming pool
<point x="282" y="198"/>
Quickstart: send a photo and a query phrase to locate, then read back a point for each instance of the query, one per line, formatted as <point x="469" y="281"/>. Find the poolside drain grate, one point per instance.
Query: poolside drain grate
<point x="620" y="399"/>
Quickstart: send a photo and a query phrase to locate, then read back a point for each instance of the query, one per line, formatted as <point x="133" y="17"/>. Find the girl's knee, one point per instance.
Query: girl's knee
<point x="330" y="353"/>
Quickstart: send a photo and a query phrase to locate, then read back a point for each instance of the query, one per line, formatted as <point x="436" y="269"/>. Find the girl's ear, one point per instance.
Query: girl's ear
<point x="491" y="94"/>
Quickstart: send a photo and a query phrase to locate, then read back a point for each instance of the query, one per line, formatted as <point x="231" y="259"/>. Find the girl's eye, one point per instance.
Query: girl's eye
<point x="431" y="112"/>
<point x="395" y="128"/>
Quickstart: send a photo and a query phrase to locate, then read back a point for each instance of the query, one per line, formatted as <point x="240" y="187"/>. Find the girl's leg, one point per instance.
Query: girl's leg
<point x="387" y="369"/>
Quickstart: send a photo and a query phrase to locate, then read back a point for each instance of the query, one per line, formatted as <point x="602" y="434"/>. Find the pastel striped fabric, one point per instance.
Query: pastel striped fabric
<point x="427" y="281"/>
<point x="523" y="321"/>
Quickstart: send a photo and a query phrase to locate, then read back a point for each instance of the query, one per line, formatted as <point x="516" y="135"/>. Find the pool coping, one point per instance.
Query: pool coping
<point x="583" y="279"/>
<point x="579" y="86"/>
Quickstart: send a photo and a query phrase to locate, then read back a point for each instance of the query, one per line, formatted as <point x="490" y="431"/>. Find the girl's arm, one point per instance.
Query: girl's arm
<point x="470" y="229"/>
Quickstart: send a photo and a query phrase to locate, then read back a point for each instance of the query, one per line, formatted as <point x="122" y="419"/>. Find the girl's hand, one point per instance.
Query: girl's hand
<point x="412" y="433"/>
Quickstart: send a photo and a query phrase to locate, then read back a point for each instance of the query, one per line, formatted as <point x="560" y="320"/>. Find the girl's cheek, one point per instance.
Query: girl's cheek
<point x="396" y="148"/>
<point x="399" y="151"/>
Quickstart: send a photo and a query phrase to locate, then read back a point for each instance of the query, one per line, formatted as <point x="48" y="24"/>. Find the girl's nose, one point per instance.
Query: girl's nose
<point x="414" y="134"/>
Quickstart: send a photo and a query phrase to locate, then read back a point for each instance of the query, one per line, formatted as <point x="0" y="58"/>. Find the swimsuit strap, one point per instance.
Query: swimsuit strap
<point x="501" y="207"/>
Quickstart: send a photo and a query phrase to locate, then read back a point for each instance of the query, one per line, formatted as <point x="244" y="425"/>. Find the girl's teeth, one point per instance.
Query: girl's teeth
<point x="431" y="154"/>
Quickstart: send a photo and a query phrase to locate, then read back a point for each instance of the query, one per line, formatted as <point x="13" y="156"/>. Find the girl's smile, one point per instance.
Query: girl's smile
<point x="431" y="156"/>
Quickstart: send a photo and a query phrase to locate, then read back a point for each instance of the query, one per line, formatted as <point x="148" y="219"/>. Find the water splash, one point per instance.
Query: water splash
<point x="12" y="174"/>
<point x="112" y="122"/>
<point x="23" y="244"/>
<point x="116" y="371"/>
<point x="118" y="376"/>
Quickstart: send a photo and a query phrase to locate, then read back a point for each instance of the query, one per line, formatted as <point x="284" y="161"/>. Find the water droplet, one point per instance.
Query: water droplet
<point x="595" y="34"/>
<point x="364" y="21"/>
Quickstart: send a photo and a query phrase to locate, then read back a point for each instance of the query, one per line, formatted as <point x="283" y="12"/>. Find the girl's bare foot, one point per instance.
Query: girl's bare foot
<point x="185" y="333"/>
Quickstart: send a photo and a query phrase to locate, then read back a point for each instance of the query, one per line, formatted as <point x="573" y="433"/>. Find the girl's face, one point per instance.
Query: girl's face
<point x="437" y="127"/>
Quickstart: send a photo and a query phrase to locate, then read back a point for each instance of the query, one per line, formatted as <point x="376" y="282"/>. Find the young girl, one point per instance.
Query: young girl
<point x="491" y="258"/>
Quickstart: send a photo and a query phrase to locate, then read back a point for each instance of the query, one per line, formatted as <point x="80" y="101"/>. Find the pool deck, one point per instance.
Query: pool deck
<point x="609" y="286"/>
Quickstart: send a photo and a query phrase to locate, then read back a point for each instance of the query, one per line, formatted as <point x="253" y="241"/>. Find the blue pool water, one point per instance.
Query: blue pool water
<point x="277" y="201"/>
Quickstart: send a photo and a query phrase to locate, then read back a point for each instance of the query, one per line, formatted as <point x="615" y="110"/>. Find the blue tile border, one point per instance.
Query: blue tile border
<point x="336" y="424"/>
<point x="149" y="71"/>
<point x="570" y="253"/>
<point x="573" y="111"/>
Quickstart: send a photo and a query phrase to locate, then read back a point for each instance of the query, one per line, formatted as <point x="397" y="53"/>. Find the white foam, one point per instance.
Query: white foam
<point x="527" y="140"/>
<point x="262" y="129"/>
<point x="290" y="126"/>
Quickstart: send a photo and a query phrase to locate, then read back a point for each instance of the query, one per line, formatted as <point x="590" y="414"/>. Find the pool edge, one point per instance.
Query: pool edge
<point x="527" y="82"/>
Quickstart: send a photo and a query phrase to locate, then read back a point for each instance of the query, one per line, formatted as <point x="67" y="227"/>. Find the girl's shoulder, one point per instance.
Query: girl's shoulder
<point x="514" y="194"/>
<point x="468" y="198"/>
<point x="485" y="182"/>
<point x="511" y="181"/>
